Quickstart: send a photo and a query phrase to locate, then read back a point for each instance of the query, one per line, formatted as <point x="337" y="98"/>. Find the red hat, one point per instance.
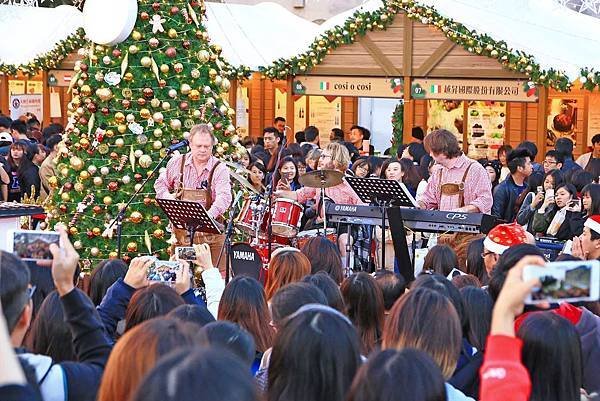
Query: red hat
<point x="593" y="223"/>
<point x="503" y="236"/>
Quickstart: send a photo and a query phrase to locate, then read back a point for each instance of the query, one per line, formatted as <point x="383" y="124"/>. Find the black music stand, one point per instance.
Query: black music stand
<point x="389" y="195"/>
<point x="189" y="216"/>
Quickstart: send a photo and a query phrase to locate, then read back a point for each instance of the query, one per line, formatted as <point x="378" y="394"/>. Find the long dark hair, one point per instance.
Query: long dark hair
<point x="593" y="167"/>
<point x="552" y="355"/>
<point x="411" y="176"/>
<point x="386" y="164"/>
<point x="24" y="163"/>
<point x="244" y="302"/>
<point x="533" y="181"/>
<point x="49" y="334"/>
<point x="315" y="357"/>
<point x="201" y="375"/>
<point x="287" y="159"/>
<point x="364" y="306"/>
<point x="557" y="176"/>
<point x="149" y="302"/>
<point x="103" y="276"/>
<point x="324" y="255"/>
<point x="507" y="261"/>
<point x="330" y="289"/>
<point x="478" y="308"/>
<point x="475" y="263"/>
<point x="440" y="259"/>
<point x="593" y="190"/>
<point x="385" y="373"/>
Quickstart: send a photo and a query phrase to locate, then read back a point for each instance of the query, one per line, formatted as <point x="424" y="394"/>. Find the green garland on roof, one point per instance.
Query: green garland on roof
<point x="49" y="60"/>
<point x="361" y="22"/>
<point x="397" y="127"/>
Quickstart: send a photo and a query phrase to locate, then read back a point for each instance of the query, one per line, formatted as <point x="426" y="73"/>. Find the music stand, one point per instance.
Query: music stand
<point x="388" y="194"/>
<point x="189" y="216"/>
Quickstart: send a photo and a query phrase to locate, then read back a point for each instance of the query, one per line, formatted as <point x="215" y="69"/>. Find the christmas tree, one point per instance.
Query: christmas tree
<point x="130" y="102"/>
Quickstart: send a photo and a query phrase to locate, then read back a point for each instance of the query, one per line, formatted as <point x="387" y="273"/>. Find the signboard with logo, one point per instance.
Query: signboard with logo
<point x="21" y="104"/>
<point x="471" y="89"/>
<point x="349" y="86"/>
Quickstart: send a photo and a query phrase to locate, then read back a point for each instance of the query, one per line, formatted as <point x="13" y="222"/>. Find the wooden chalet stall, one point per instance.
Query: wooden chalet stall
<point x="446" y="86"/>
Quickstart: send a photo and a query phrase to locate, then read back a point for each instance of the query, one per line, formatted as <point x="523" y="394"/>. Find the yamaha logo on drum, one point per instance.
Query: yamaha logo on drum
<point x="242" y="255"/>
<point x="456" y="216"/>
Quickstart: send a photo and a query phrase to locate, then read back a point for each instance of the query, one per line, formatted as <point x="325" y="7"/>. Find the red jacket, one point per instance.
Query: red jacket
<point x="503" y="376"/>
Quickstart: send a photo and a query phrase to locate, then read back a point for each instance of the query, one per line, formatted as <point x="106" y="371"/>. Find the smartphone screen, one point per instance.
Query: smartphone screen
<point x="33" y="245"/>
<point x="163" y="271"/>
<point x="573" y="281"/>
<point x="185" y="253"/>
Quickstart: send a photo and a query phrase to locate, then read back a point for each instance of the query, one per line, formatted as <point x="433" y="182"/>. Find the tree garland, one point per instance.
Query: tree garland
<point x="397" y="127"/>
<point x="48" y="60"/>
<point x="482" y="44"/>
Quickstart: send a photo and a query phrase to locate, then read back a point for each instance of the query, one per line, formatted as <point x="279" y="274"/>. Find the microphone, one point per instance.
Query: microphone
<point x="177" y="146"/>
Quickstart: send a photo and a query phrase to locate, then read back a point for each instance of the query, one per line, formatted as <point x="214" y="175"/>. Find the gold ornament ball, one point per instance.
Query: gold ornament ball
<point x="76" y="163"/>
<point x="84" y="175"/>
<point x="77" y="245"/>
<point x="212" y="73"/>
<point x="132" y="247"/>
<point x="119" y="142"/>
<point x="64" y="172"/>
<point x="85" y="90"/>
<point x="155" y="103"/>
<point x="107" y="200"/>
<point x="157" y="145"/>
<point x="164" y="68"/>
<point x="166" y="106"/>
<point x="73" y="231"/>
<point x="157" y="132"/>
<point x="105" y="94"/>
<point x="225" y="84"/>
<point x="225" y="146"/>
<point x="197" y="113"/>
<point x="146" y="62"/>
<point x="145" y="161"/>
<point x="119" y="117"/>
<point x="145" y="114"/>
<point x="194" y="94"/>
<point x="65" y="197"/>
<point x="128" y="77"/>
<point x="97" y="181"/>
<point x="113" y="255"/>
<point x="203" y="56"/>
<point x="172" y="33"/>
<point x="96" y="231"/>
<point x="218" y="80"/>
<point x="122" y="128"/>
<point x="195" y="73"/>
<point x="136" y="35"/>
<point x="185" y="89"/>
<point x="158" y="233"/>
<point x="109" y="133"/>
<point x="95" y="252"/>
<point x="53" y="182"/>
<point x="136" y="217"/>
<point x="230" y="112"/>
<point x="175" y="124"/>
<point x="133" y="49"/>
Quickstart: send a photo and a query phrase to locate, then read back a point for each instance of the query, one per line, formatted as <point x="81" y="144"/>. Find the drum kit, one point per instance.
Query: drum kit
<point x="285" y="216"/>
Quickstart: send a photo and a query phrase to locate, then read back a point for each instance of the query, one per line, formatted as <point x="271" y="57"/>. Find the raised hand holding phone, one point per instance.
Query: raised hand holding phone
<point x="203" y="256"/>
<point x="137" y="274"/>
<point x="64" y="263"/>
<point x="182" y="278"/>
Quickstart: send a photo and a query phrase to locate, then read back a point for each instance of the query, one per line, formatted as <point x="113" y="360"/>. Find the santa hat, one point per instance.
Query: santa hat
<point x="503" y="236"/>
<point x="593" y="223"/>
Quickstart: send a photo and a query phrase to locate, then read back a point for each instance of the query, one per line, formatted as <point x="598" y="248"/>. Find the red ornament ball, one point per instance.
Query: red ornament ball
<point x="113" y="186"/>
<point x="171" y="52"/>
<point x="105" y="111"/>
<point x="148" y="93"/>
<point x="156" y="219"/>
<point x="174" y="10"/>
<point x="126" y="103"/>
<point x="116" y="53"/>
<point x="144" y="16"/>
<point x="186" y="44"/>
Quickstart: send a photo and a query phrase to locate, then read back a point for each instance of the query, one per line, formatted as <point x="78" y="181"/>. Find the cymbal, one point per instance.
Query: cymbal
<point x="243" y="181"/>
<point x="321" y="178"/>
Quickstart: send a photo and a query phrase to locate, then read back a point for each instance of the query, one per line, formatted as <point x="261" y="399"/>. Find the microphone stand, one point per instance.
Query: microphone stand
<point x="121" y="215"/>
<point x="270" y="198"/>
<point x="228" y="234"/>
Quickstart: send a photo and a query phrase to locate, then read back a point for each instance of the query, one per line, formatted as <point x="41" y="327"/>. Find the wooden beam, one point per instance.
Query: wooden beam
<point x="4" y="95"/>
<point x="472" y="73"/>
<point x="233" y="95"/>
<point x="465" y="132"/>
<point x="435" y="58"/>
<point x="261" y="88"/>
<point x="582" y="145"/>
<point x="407" y="45"/>
<point x="289" y="108"/>
<point x="542" y="112"/>
<point x="523" y="122"/>
<point x="379" y="57"/>
<point x="45" y="99"/>
<point x="409" y="111"/>
<point x="349" y="71"/>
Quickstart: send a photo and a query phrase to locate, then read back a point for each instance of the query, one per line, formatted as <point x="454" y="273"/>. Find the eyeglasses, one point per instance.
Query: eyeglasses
<point x="549" y="162"/>
<point x="484" y="254"/>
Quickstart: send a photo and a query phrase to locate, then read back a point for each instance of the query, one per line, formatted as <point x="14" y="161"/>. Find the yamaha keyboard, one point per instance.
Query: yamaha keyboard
<point x="433" y="221"/>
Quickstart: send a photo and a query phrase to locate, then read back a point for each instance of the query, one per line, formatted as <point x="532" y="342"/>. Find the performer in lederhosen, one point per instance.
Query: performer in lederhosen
<point x="199" y="176"/>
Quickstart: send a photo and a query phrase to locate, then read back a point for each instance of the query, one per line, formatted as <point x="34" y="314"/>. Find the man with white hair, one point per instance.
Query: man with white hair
<point x="199" y="176"/>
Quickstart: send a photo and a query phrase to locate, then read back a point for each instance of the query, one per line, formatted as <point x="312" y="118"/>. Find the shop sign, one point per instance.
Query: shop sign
<point x="468" y="89"/>
<point x="21" y="104"/>
<point x="349" y="86"/>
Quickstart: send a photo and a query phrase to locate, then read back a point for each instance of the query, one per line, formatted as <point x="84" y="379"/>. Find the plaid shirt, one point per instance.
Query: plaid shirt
<point x="168" y="181"/>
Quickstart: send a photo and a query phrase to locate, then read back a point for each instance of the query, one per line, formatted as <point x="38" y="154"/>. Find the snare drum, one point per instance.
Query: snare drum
<point x="249" y="218"/>
<point x="303" y="236"/>
<point x="286" y="217"/>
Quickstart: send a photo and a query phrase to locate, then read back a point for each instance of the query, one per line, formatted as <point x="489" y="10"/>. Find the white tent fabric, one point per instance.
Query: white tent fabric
<point x="257" y="35"/>
<point x="28" y="32"/>
<point x="556" y="36"/>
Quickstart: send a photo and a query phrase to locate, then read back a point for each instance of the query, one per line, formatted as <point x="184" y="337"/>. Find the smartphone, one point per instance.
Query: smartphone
<point x="540" y="189"/>
<point x="185" y="253"/>
<point x="366" y="145"/>
<point x="549" y="193"/>
<point x="163" y="271"/>
<point x="575" y="202"/>
<point x="32" y="245"/>
<point x="572" y="281"/>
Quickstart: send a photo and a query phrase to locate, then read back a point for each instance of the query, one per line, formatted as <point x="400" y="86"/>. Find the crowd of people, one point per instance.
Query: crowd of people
<point x="459" y="330"/>
<point x="27" y="157"/>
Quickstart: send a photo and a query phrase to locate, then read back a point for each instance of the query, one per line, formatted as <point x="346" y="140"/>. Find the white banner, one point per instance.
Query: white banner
<point x="21" y="104"/>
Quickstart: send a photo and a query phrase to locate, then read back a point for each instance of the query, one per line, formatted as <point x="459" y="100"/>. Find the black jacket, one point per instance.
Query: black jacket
<point x="505" y="198"/>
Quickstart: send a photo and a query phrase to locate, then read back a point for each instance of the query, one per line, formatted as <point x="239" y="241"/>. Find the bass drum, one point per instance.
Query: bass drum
<point x="245" y="261"/>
